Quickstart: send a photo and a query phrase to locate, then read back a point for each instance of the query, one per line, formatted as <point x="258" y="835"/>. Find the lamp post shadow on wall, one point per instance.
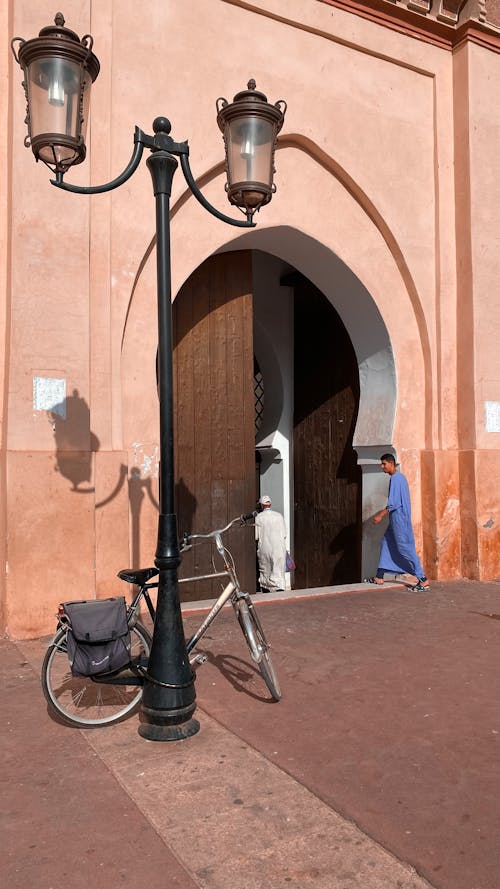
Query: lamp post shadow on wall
<point x="59" y="70"/>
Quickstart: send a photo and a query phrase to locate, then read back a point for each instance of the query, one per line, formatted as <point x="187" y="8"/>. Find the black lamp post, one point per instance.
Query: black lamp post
<point x="59" y="70"/>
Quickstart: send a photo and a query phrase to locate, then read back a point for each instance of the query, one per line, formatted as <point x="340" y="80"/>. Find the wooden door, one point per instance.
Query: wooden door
<point x="214" y="410"/>
<point x="327" y="536"/>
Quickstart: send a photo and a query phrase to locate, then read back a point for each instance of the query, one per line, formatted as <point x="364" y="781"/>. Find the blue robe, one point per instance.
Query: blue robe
<point x="398" y="554"/>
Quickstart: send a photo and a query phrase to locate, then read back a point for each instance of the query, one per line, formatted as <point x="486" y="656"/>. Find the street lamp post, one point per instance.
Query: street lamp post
<point x="59" y="70"/>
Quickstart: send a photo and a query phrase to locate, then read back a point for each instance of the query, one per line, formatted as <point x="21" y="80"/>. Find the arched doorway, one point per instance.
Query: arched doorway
<point x="277" y="251"/>
<point x="302" y="421"/>
<point x="259" y="260"/>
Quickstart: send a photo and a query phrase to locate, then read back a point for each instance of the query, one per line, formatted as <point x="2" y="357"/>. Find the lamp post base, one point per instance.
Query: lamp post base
<point x="158" y="725"/>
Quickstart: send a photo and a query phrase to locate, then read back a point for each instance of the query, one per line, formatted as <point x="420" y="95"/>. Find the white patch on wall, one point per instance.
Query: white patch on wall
<point x="492" y="416"/>
<point x="145" y="458"/>
<point x="49" y="394"/>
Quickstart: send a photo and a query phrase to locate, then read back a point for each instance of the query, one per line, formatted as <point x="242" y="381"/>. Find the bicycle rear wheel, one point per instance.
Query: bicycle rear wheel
<point x="81" y="702"/>
<point x="259" y="648"/>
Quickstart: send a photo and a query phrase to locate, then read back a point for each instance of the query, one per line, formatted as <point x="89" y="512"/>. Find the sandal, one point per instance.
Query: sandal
<point x="421" y="587"/>
<point x="374" y="581"/>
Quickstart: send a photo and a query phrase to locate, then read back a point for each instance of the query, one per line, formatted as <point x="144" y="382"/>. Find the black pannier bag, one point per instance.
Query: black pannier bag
<point x="98" y="636"/>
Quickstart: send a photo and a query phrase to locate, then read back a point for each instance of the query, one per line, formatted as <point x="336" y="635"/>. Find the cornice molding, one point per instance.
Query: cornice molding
<point x="443" y="28"/>
<point x="476" y="32"/>
<point x="449" y="11"/>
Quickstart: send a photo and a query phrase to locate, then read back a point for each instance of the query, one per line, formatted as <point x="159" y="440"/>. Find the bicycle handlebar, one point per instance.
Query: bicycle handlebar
<point x="248" y="516"/>
<point x="242" y="519"/>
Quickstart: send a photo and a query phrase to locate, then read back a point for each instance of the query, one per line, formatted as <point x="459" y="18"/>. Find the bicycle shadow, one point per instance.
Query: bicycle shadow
<point x="239" y="673"/>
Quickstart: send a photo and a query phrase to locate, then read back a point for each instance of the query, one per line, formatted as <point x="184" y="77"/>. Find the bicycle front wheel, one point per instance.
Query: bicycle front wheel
<point x="259" y="648"/>
<point x="79" y="700"/>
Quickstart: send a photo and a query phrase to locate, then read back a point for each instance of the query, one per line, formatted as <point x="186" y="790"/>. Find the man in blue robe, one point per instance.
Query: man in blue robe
<point x="397" y="553"/>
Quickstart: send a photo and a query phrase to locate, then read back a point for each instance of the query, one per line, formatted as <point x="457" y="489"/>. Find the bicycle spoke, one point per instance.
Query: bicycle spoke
<point x="81" y="701"/>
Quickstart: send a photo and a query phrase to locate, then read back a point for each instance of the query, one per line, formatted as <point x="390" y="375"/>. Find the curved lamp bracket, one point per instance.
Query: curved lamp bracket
<point x="160" y="142"/>
<point x="109" y="186"/>
<point x="188" y="176"/>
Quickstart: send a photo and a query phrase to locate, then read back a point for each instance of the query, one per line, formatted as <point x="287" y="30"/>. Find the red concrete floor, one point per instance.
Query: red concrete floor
<point x="390" y="715"/>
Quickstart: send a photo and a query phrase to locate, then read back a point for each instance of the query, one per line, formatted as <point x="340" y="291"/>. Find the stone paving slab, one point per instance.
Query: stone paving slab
<point x="239" y="820"/>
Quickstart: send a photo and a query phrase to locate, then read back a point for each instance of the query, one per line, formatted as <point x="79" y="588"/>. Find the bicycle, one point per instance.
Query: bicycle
<point x="107" y="698"/>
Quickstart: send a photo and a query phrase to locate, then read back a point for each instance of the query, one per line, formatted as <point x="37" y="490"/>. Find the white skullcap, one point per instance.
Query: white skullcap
<point x="265" y="500"/>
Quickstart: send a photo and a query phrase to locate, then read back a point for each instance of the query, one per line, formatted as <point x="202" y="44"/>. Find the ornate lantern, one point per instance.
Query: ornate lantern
<point x="250" y="125"/>
<point x="59" y="70"/>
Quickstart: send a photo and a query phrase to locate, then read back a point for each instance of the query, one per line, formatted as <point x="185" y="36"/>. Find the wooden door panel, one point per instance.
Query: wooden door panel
<point x="214" y="432"/>
<point x="326" y="477"/>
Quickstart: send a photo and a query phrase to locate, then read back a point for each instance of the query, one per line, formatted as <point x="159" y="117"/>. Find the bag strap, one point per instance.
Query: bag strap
<point x="114" y="635"/>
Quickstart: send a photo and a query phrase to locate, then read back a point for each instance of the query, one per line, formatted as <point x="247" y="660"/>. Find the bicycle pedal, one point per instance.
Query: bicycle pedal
<point x="200" y="658"/>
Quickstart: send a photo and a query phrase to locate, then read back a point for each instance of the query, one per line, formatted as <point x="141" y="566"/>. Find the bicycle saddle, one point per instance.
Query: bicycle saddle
<point x="139" y="576"/>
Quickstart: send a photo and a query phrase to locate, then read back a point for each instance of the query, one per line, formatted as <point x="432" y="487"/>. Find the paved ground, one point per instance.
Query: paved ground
<point x="379" y="769"/>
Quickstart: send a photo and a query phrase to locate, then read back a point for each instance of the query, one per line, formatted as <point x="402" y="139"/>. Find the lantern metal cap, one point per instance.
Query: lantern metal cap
<point x="252" y="101"/>
<point x="58" y="29"/>
<point x="251" y="93"/>
<point x="57" y="40"/>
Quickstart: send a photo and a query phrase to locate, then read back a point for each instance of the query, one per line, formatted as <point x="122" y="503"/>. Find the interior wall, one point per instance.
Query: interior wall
<point x="273" y="344"/>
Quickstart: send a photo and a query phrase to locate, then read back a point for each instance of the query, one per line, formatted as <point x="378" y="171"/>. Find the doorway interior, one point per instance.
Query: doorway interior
<point x="306" y="402"/>
<point x="267" y="393"/>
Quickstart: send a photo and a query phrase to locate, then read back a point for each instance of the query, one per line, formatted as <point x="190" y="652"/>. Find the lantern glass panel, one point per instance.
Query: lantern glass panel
<point x="54" y="90"/>
<point x="250" y="141"/>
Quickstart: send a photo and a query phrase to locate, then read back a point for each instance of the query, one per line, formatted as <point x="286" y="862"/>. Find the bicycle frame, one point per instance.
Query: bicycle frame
<point x="230" y="590"/>
<point x="218" y="606"/>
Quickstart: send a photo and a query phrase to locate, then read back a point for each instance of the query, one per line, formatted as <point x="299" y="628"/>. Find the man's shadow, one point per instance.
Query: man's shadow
<point x="345" y="548"/>
<point x="185" y="505"/>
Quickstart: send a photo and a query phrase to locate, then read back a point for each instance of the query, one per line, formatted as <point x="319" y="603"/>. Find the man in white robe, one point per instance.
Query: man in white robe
<point x="270" y="534"/>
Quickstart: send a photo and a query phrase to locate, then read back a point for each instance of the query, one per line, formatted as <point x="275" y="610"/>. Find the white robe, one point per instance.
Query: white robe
<point x="270" y="534"/>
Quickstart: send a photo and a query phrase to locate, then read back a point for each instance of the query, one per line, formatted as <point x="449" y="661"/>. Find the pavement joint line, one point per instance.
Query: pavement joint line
<point x="292" y="595"/>
<point x="88" y="736"/>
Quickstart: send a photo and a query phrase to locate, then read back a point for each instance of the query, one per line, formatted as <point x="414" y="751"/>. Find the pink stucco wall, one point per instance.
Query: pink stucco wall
<point x="493" y="11"/>
<point x="390" y="159"/>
